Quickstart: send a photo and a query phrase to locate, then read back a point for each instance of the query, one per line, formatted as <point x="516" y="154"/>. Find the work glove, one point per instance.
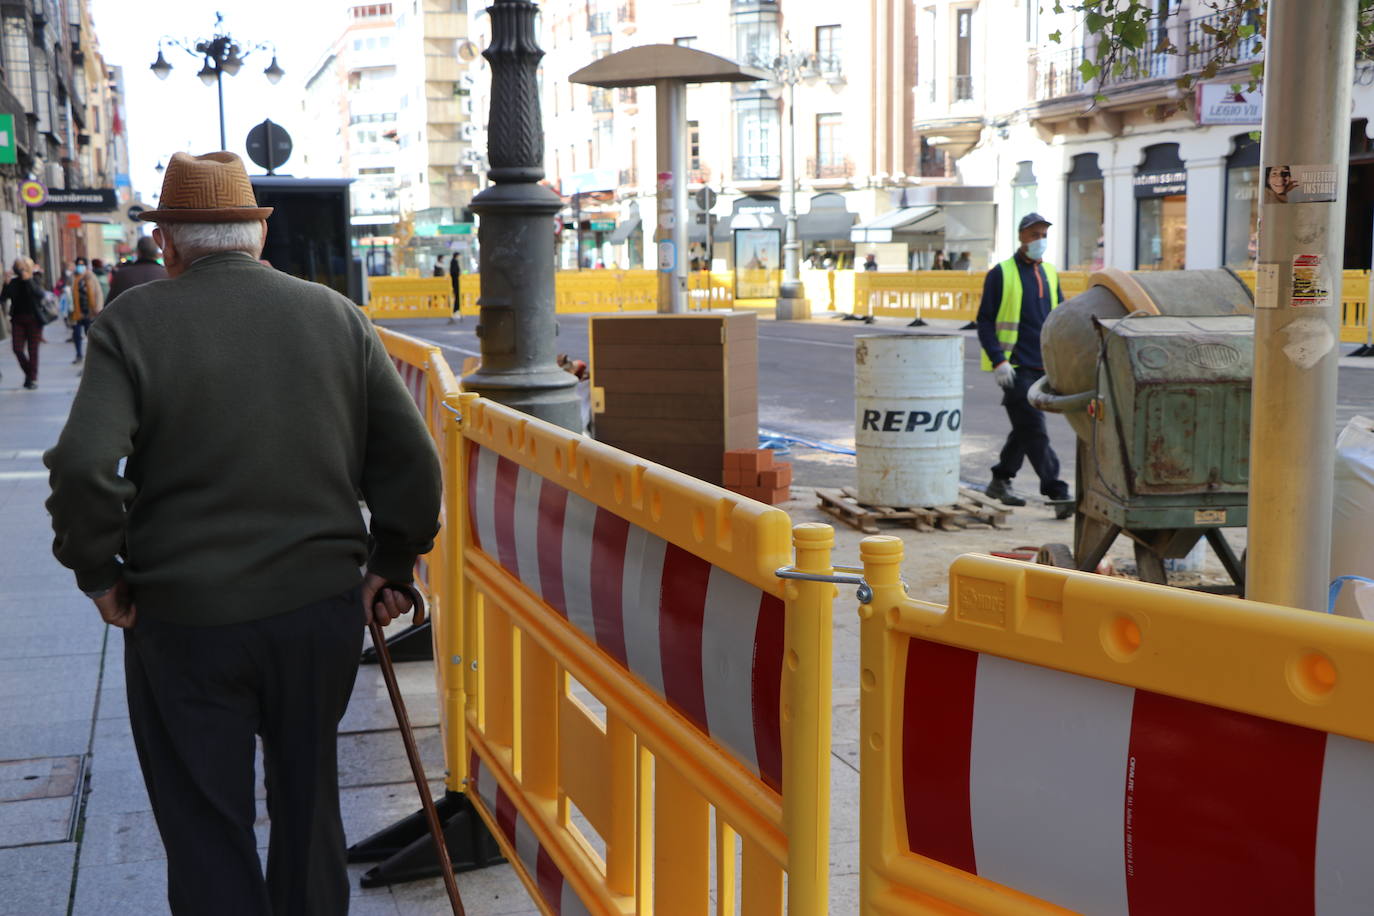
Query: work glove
<point x="1005" y="375"/>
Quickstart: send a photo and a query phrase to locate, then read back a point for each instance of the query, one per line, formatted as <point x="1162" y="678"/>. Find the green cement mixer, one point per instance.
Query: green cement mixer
<point x="1153" y="370"/>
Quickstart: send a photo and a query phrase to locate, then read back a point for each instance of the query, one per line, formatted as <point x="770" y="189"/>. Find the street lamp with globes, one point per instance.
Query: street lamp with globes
<point x="221" y="54"/>
<point x="787" y="70"/>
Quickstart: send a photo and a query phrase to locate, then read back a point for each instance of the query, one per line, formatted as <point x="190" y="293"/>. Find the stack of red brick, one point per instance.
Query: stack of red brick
<point x="753" y="473"/>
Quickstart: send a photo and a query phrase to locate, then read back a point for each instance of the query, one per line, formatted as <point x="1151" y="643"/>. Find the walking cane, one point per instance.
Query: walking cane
<point x="416" y="767"/>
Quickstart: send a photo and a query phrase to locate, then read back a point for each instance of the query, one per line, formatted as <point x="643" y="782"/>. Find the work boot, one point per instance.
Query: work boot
<point x="1064" y="508"/>
<point x="1000" y="490"/>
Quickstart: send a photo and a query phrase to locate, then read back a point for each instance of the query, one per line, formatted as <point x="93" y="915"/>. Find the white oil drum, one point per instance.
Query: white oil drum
<point x="908" y="411"/>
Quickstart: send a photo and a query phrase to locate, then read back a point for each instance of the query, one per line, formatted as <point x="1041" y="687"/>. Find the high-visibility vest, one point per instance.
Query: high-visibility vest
<point x="1008" y="323"/>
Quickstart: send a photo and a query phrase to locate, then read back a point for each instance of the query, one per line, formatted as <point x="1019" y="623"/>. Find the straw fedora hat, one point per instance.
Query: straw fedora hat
<point x="213" y="188"/>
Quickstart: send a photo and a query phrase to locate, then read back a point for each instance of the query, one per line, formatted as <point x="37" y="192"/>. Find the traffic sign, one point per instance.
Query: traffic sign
<point x="269" y="145"/>
<point x="134" y="211"/>
<point x="455" y="228"/>
<point x="9" y="153"/>
<point x="706" y="198"/>
<point x="33" y="193"/>
<point x="602" y="225"/>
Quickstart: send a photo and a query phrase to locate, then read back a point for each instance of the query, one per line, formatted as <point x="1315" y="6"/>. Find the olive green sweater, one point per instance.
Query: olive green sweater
<point x="253" y="408"/>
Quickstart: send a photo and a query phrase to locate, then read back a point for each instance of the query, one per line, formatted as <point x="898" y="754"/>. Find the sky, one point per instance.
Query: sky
<point x="182" y="114"/>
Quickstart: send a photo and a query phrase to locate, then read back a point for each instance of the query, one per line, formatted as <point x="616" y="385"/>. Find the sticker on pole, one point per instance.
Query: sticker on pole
<point x="1300" y="184"/>
<point x="1309" y="286"/>
<point x="1266" y="286"/>
<point x="667" y="256"/>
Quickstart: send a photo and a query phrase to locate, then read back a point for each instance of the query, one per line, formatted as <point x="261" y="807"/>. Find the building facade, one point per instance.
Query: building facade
<point x="855" y="155"/>
<point x="1140" y="178"/>
<point x="383" y="106"/>
<point x="67" y="133"/>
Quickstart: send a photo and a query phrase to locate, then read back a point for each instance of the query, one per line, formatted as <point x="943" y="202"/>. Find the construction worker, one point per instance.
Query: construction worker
<point x="1018" y="295"/>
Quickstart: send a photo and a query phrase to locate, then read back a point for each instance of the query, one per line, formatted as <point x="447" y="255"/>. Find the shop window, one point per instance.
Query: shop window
<point x="1242" y="203"/>
<point x="1086" y="208"/>
<point x="1161" y="191"/>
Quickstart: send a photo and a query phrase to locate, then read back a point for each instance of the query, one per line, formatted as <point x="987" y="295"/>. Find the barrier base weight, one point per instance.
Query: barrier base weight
<point x="413" y="644"/>
<point x="405" y="852"/>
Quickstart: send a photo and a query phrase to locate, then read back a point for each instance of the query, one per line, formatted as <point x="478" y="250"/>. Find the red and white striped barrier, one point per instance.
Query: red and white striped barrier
<point x="708" y="643"/>
<point x="414" y="379"/>
<point x="1110" y="800"/>
<point x="557" y="893"/>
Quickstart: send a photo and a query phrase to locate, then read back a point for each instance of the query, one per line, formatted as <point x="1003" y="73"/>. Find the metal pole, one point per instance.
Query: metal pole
<point x="1308" y="73"/>
<point x="670" y="98"/>
<point x="219" y="87"/>
<point x="791" y="282"/>
<point x="517" y="325"/>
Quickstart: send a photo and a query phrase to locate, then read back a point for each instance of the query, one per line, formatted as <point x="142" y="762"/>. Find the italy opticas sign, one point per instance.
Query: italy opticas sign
<point x="1218" y="103"/>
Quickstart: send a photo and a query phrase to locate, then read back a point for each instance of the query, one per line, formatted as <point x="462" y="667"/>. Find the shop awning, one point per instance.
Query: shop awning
<point x="828" y="220"/>
<point x="623" y="232"/>
<point x="902" y="221"/>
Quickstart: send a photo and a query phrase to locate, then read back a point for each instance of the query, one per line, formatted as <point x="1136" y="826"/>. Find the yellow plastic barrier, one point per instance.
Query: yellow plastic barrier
<point x="431" y="383"/>
<point x="946" y="294"/>
<point x="649" y="715"/>
<point x="406" y="297"/>
<point x="1056" y="741"/>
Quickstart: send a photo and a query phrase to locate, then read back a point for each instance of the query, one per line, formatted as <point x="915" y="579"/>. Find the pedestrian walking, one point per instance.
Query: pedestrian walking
<point x="871" y="262"/>
<point x="439" y="270"/>
<point x="253" y="408"/>
<point x="962" y="262"/>
<point x="455" y="276"/>
<point x="940" y="262"/>
<point x="22" y="295"/>
<point x="101" y="270"/>
<point x="144" y="270"/>
<point x="1018" y="295"/>
<point x="87" y="302"/>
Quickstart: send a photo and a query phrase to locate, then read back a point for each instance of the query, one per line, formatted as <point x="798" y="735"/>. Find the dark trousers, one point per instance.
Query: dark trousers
<point x="197" y="697"/>
<point x="79" y="335"/>
<point x="27" y="332"/>
<point x="1029" y="439"/>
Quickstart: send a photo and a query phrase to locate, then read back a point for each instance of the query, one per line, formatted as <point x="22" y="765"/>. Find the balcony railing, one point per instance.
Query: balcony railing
<point x="699" y="175"/>
<point x="599" y="23"/>
<point x="830" y="167"/>
<point x="601" y="100"/>
<point x="1056" y="73"/>
<point x="1202" y="41"/>
<point x="629" y="178"/>
<point x="961" y="88"/>
<point x="830" y="65"/>
<point x="625" y="12"/>
<point x="758" y="168"/>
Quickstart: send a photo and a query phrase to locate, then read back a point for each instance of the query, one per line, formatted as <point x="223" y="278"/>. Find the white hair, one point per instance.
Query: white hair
<point x="196" y="240"/>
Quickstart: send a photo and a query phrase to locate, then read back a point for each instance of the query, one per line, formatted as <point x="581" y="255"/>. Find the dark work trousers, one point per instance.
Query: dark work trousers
<point x="1029" y="439"/>
<point x="28" y="334"/>
<point x="197" y="697"/>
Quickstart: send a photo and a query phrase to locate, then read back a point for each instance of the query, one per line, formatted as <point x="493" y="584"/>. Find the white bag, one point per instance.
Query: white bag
<point x="1352" y="517"/>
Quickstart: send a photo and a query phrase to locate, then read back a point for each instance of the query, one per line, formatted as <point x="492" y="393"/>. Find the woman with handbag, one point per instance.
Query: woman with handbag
<point x="26" y="323"/>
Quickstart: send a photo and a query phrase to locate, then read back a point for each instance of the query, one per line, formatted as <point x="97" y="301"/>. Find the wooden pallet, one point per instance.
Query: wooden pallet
<point x="973" y="509"/>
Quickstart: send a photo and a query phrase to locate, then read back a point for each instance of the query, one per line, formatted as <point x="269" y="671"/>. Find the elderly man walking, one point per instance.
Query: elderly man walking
<point x="252" y="408"/>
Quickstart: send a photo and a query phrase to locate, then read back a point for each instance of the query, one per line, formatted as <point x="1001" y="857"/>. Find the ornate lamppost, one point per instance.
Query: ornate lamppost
<point x="517" y="324"/>
<point x="787" y="70"/>
<point x="222" y="54"/>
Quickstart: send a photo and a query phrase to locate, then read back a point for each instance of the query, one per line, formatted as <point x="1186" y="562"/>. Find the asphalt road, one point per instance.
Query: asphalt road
<point x="806" y="388"/>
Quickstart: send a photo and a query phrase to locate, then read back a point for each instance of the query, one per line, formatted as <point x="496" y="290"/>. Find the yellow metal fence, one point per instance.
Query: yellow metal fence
<point x="575" y="292"/>
<point x="631" y="699"/>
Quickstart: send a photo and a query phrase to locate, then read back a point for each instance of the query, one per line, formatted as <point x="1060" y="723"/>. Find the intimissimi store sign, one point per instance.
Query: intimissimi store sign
<point x="1162" y="174"/>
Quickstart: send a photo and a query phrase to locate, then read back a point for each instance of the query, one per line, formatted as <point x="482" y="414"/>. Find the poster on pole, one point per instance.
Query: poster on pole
<point x="758" y="254"/>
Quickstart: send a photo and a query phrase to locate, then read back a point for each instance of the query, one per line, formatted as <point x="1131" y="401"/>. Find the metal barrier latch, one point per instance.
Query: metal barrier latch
<point x="841" y="575"/>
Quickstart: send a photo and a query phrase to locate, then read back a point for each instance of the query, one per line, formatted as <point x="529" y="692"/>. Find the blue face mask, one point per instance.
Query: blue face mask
<point x="80" y="269"/>
<point x="1036" y="249"/>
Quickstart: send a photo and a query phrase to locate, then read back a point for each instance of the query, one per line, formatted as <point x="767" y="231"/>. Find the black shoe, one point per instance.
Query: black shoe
<point x="30" y="385"/>
<point x="1000" y="490"/>
<point x="1064" y="508"/>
